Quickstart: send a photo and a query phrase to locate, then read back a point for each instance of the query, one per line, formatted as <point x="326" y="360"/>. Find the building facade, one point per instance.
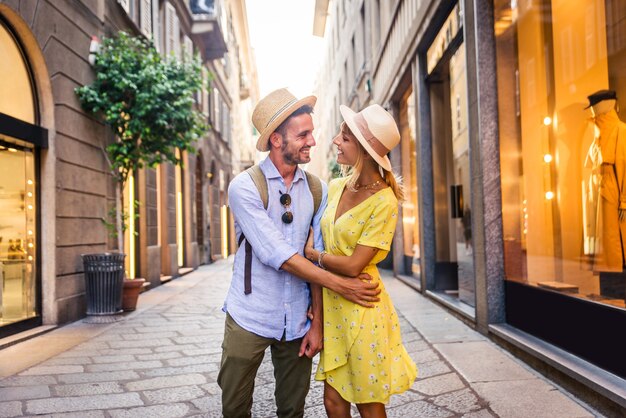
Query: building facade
<point x="509" y="210"/>
<point x="55" y="185"/>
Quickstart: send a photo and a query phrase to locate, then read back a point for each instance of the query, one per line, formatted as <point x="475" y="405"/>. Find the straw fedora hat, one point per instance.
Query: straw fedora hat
<point x="272" y="110"/>
<point x="375" y="129"/>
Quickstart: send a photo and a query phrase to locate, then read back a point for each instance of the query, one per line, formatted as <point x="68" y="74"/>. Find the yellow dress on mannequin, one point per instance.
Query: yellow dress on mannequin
<point x="363" y="356"/>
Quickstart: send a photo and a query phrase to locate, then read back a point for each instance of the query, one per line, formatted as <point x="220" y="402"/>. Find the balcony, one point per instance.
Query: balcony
<point x="206" y="30"/>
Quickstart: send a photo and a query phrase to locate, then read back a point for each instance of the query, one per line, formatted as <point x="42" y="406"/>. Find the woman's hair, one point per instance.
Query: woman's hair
<point x="355" y="171"/>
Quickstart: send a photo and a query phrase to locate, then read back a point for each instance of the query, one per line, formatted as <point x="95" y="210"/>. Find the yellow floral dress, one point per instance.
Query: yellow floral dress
<point x="363" y="356"/>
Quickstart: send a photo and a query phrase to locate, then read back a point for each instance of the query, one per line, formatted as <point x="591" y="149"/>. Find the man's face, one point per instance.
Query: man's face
<point x="298" y="140"/>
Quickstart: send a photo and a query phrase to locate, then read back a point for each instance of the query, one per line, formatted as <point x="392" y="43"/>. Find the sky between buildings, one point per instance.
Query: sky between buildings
<point x="287" y="53"/>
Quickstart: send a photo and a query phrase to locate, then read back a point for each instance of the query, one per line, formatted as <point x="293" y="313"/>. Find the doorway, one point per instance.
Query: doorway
<point x="447" y="85"/>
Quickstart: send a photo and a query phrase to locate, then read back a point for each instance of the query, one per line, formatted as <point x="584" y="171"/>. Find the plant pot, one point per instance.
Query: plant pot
<point x="104" y="278"/>
<point x="130" y="294"/>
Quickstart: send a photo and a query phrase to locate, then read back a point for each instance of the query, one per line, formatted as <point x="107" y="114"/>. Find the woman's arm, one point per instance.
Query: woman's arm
<point x="351" y="265"/>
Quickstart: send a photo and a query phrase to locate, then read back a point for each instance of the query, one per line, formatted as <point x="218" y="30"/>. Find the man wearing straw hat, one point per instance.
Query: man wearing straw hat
<point x="268" y="299"/>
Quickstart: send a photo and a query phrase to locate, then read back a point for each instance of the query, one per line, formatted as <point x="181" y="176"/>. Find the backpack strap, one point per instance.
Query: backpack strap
<point x="315" y="186"/>
<point x="260" y="182"/>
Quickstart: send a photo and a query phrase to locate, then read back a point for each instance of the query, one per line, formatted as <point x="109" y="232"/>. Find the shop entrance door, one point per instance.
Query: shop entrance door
<point x="454" y="263"/>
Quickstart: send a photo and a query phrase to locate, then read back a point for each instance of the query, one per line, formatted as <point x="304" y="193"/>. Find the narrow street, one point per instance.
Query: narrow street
<point x="162" y="361"/>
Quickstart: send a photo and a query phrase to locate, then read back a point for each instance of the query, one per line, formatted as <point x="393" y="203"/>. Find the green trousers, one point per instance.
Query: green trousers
<point x="242" y="354"/>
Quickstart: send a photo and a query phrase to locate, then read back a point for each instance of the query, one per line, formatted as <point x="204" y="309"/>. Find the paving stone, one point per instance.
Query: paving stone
<point x="418" y="409"/>
<point x="142" y="337"/>
<point x="424" y="356"/>
<point x="174" y="394"/>
<point x="209" y="404"/>
<point x="82" y="389"/>
<point x="409" y="335"/>
<point x="404" y="398"/>
<point x="483" y="413"/>
<point x="24" y="392"/>
<point x="79" y="353"/>
<point x="81" y="414"/>
<point x="83" y="403"/>
<point x="173" y="347"/>
<point x="130" y="351"/>
<point x="416" y="346"/>
<point x="186" y="361"/>
<point x="141" y="343"/>
<point x="167" y="325"/>
<point x="264" y="409"/>
<point x="202" y="352"/>
<point x="529" y="398"/>
<point x="212" y="388"/>
<point x="113" y="358"/>
<point x="98" y="377"/>
<point x="159" y="356"/>
<point x="10" y="409"/>
<point x="27" y="381"/>
<point x="201" y="339"/>
<point x="462" y="401"/>
<point x="166" y="382"/>
<point x="196" y="368"/>
<point x="125" y="365"/>
<point x="482" y="361"/>
<point x="94" y="345"/>
<point x="317" y="411"/>
<point x="315" y="395"/>
<point x="439" y="384"/>
<point x="49" y="370"/>
<point x="264" y="392"/>
<point x="61" y="361"/>
<point x="431" y="368"/>
<point x="155" y="411"/>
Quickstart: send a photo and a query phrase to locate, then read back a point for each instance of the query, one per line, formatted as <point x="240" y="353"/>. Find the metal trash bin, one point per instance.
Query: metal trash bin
<point x="104" y="281"/>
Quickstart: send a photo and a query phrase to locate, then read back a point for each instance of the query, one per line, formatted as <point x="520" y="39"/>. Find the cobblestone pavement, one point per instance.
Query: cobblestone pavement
<point x="163" y="362"/>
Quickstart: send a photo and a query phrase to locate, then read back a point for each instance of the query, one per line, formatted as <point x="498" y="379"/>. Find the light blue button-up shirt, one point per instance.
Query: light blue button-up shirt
<point x="279" y="300"/>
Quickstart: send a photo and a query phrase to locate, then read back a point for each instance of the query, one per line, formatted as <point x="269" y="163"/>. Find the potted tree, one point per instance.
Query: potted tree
<point x="147" y="101"/>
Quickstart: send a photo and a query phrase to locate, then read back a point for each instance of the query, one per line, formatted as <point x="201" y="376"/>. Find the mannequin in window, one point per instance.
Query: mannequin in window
<point x="20" y="252"/>
<point x="12" y="250"/>
<point x="607" y="157"/>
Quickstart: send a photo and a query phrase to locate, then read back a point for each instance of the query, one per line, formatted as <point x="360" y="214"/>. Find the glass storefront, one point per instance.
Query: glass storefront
<point x="561" y="75"/>
<point x="18" y="188"/>
<point x="447" y="83"/>
<point x="410" y="219"/>
<point x="17" y="232"/>
<point x="563" y="164"/>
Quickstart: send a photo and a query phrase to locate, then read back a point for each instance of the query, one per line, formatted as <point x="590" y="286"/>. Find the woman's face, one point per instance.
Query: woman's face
<point x="347" y="145"/>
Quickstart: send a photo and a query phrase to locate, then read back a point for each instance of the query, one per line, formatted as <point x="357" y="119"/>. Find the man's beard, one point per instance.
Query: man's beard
<point x="292" y="158"/>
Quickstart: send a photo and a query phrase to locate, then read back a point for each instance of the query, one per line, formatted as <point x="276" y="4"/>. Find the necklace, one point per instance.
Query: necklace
<point x="356" y="187"/>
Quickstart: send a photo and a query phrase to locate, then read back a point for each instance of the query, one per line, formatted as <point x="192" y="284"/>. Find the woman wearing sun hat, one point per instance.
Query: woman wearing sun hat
<point x="363" y="360"/>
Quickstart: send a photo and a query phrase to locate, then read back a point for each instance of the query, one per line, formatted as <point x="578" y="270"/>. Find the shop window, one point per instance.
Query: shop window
<point x="445" y="61"/>
<point x="563" y="164"/>
<point x="410" y="220"/>
<point x="17" y="98"/>
<point x="19" y="139"/>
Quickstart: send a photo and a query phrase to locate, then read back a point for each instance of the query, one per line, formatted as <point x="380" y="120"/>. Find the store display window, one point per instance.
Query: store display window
<point x="18" y="185"/>
<point x="561" y="74"/>
<point x="410" y="217"/>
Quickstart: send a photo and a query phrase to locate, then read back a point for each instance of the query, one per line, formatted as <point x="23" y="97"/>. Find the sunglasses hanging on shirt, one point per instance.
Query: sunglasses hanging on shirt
<point x="285" y="200"/>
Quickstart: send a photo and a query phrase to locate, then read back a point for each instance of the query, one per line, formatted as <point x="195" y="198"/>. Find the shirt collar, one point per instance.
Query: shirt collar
<point x="271" y="172"/>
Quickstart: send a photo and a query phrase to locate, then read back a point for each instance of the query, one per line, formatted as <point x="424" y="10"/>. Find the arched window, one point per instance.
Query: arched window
<point x="20" y="141"/>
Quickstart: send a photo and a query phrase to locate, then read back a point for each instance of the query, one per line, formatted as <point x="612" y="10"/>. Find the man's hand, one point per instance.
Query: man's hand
<point x="312" y="343"/>
<point x="360" y="290"/>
